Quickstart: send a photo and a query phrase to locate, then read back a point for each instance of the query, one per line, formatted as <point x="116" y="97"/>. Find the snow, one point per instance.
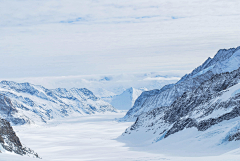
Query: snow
<point x="215" y="114"/>
<point x="230" y="92"/>
<point x="231" y="64"/>
<point x="187" y="143"/>
<point x="79" y="138"/>
<point x="91" y="138"/>
<point x="126" y="100"/>
<point x="104" y="94"/>
<point x="203" y="71"/>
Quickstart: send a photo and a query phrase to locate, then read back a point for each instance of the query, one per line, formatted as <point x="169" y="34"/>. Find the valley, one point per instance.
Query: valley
<point x="90" y="138"/>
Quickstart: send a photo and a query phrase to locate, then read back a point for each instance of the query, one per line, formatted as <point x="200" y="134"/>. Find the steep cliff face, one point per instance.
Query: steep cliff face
<point x="22" y="103"/>
<point x="212" y="110"/>
<point x="223" y="61"/>
<point x="10" y="142"/>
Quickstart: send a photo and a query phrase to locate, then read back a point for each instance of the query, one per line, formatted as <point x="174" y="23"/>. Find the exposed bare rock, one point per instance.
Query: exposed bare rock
<point x="10" y="142"/>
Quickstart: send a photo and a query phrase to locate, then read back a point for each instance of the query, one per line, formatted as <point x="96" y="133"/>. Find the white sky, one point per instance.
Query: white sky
<point x="42" y="38"/>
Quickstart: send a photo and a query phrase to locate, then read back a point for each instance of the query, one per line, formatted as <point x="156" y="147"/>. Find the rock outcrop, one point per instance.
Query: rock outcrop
<point x="10" y="142"/>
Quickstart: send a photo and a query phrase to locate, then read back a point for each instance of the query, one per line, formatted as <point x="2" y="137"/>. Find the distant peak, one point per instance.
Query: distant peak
<point x="61" y="89"/>
<point x="6" y="82"/>
<point x="226" y="52"/>
<point x="209" y="58"/>
<point x="11" y="83"/>
<point x="230" y="49"/>
<point x="85" y="91"/>
<point x="131" y="89"/>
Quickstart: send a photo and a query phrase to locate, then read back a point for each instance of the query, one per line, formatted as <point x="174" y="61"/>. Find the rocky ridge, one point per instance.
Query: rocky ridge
<point x="10" y="142"/>
<point x="223" y="61"/>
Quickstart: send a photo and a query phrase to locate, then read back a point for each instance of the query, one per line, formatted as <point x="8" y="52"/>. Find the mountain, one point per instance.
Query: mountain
<point x="205" y="120"/>
<point x="126" y="100"/>
<point x="104" y="94"/>
<point x="22" y="103"/>
<point x="223" y="61"/>
<point x="104" y="86"/>
<point x="10" y="142"/>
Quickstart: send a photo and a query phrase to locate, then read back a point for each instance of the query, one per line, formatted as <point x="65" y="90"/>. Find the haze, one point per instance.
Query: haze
<point x="50" y="38"/>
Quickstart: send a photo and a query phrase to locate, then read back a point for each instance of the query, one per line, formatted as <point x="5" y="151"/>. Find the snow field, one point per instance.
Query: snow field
<point x="90" y="138"/>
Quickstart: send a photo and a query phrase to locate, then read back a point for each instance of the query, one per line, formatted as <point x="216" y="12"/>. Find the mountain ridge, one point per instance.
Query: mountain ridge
<point x="208" y="116"/>
<point x="28" y="103"/>
<point x="202" y="120"/>
<point x="224" y="61"/>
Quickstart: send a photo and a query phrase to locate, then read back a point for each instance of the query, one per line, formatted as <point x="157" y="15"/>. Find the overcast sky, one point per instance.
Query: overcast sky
<point x="42" y="38"/>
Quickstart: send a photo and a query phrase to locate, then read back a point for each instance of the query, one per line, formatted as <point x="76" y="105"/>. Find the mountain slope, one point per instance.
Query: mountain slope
<point x="126" y="100"/>
<point x="10" y="142"/>
<point x="223" y="61"/>
<point x="205" y="118"/>
<point x="22" y="103"/>
<point x="104" y="94"/>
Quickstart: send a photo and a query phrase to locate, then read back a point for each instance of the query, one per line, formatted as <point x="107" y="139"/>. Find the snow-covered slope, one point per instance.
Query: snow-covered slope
<point x="126" y="100"/>
<point x="223" y="61"/>
<point x="22" y="103"/>
<point x="207" y="118"/>
<point x="104" y="94"/>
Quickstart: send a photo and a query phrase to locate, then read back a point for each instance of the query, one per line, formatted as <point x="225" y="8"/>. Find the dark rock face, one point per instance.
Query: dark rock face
<point x="180" y="125"/>
<point x="234" y="137"/>
<point x="194" y="109"/>
<point x="10" y="142"/>
<point x="205" y="124"/>
<point x="209" y="90"/>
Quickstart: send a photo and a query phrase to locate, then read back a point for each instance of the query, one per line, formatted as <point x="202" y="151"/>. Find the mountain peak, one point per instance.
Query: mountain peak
<point x="126" y="100"/>
<point x="130" y="90"/>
